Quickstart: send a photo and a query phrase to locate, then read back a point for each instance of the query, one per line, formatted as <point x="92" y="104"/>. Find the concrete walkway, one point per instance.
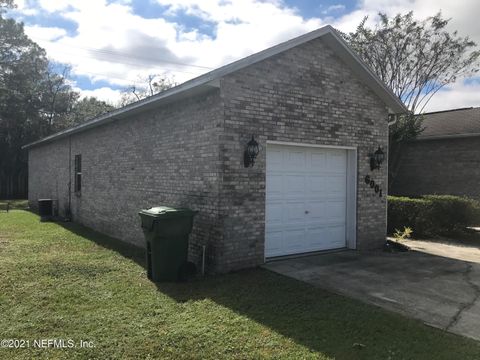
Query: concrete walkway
<point x="436" y="283"/>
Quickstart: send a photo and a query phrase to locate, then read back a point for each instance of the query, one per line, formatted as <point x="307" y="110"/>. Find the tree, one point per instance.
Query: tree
<point x="57" y="99"/>
<point x="86" y="109"/>
<point x="6" y="4"/>
<point x="63" y="107"/>
<point x="151" y="85"/>
<point x="415" y="59"/>
<point x="34" y="102"/>
<point x="22" y="69"/>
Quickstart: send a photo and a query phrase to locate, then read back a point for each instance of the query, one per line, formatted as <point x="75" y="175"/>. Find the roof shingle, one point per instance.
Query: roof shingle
<point x="449" y="123"/>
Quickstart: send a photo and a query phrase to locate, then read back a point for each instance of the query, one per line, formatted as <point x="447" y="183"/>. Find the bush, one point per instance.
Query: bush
<point x="432" y="215"/>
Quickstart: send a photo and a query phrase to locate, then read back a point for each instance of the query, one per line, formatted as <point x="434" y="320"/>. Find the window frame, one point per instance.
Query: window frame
<point x="77" y="175"/>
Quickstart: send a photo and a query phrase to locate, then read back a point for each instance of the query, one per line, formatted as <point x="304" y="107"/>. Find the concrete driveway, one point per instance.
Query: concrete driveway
<point x="436" y="283"/>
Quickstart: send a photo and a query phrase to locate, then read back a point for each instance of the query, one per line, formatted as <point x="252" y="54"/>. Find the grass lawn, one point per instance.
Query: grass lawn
<point x="62" y="281"/>
<point x="13" y="204"/>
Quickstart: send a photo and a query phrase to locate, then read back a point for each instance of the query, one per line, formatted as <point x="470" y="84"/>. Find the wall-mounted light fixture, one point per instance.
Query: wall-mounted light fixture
<point x="251" y="153"/>
<point x="376" y="159"/>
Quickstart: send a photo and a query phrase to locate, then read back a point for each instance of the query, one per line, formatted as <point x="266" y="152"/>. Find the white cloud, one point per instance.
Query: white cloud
<point x="114" y="44"/>
<point x="464" y="18"/>
<point x="47" y="33"/>
<point x="56" y="5"/>
<point x="25" y="9"/>
<point x="106" y="94"/>
<point x="455" y="96"/>
<point x="464" y="15"/>
<point x="333" y="8"/>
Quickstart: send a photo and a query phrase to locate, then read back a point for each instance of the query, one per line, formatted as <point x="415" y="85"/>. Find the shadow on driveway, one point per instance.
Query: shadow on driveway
<point x="441" y="291"/>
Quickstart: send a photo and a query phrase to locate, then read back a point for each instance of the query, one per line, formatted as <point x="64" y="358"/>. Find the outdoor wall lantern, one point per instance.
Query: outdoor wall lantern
<point x="376" y="159"/>
<point x="251" y="153"/>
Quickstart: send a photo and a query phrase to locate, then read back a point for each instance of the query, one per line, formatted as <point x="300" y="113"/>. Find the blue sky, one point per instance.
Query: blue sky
<point x="111" y="44"/>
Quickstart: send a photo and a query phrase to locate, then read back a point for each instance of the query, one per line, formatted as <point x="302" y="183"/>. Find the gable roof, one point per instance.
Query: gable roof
<point x="455" y="123"/>
<point x="209" y="80"/>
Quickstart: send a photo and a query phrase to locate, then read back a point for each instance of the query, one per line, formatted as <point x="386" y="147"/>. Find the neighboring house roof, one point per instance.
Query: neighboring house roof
<point x="207" y="81"/>
<point x="455" y="123"/>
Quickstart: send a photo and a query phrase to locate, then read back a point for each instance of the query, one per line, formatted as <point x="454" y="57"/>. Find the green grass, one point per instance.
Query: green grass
<point x="62" y="281"/>
<point x="13" y="204"/>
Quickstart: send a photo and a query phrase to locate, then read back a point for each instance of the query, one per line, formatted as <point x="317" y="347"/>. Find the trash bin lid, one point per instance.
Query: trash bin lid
<point x="167" y="212"/>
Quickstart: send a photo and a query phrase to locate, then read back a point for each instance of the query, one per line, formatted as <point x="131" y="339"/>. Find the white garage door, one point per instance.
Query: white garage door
<point x="306" y="194"/>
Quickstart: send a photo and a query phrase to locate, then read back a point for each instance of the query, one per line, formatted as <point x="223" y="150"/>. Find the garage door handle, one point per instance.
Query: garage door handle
<point x="306" y="211"/>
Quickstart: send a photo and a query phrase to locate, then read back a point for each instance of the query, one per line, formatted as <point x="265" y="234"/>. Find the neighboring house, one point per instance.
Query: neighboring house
<point x="444" y="158"/>
<point x="317" y="112"/>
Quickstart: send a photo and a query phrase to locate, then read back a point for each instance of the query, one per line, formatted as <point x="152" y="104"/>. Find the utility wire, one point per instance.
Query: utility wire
<point x="125" y="62"/>
<point x="128" y="56"/>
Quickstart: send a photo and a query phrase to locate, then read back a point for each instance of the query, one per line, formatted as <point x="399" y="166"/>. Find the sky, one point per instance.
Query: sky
<point x="111" y="44"/>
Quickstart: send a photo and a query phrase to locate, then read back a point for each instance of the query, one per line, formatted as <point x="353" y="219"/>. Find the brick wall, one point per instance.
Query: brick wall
<point x="48" y="169"/>
<point x="304" y="95"/>
<point x="164" y="156"/>
<point x="444" y="166"/>
<point x="190" y="153"/>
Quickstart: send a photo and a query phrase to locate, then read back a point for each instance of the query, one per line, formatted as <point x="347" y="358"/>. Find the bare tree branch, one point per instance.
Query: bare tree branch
<point x="148" y="86"/>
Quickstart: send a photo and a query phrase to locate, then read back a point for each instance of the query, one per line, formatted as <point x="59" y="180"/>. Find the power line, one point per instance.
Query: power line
<point x="122" y="61"/>
<point x="129" y="56"/>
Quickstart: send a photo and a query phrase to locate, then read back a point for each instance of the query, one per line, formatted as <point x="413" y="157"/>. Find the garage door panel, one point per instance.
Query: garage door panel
<point x="319" y="238"/>
<point x="295" y="160"/>
<point x="316" y="185"/>
<point x="274" y="214"/>
<point x="294" y="212"/>
<point x="275" y="244"/>
<point x="327" y="237"/>
<point x="306" y="200"/>
<point x="336" y="235"/>
<point x="337" y="161"/>
<point x="294" y="185"/>
<point x="294" y="239"/>
<point x="317" y="210"/>
<point x="317" y="160"/>
<point x="274" y="185"/>
<point x="274" y="159"/>
<point x="336" y="210"/>
<point x="334" y="185"/>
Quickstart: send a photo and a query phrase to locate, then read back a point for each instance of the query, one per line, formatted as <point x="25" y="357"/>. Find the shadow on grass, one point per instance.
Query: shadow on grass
<point x="308" y="316"/>
<point x="323" y="322"/>
<point x="129" y="251"/>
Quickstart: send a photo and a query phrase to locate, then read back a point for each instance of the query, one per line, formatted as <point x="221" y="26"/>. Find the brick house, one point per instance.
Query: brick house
<point x="317" y="113"/>
<point x="444" y="158"/>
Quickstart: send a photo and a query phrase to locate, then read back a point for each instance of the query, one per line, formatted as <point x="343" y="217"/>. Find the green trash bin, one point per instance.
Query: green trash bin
<point x="166" y="232"/>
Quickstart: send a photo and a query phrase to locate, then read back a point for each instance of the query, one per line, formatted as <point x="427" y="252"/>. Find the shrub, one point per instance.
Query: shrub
<point x="432" y="215"/>
<point x="406" y="212"/>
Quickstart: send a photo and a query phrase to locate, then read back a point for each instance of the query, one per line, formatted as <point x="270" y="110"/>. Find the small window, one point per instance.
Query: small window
<point x="78" y="174"/>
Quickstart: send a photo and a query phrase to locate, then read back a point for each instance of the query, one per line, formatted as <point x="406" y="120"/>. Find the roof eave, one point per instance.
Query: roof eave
<point x="448" y="136"/>
<point x="140" y="106"/>
<point x="210" y="79"/>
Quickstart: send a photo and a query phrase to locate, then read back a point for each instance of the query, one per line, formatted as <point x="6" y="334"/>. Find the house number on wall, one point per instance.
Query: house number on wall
<point x="375" y="187"/>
